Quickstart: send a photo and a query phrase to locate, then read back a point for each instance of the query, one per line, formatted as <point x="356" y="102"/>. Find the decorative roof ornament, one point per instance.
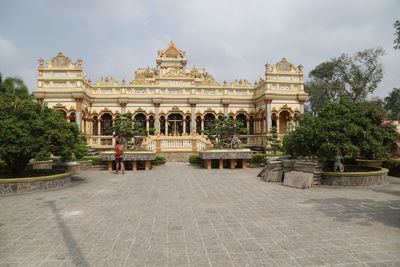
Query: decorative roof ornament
<point x="60" y="61"/>
<point x="284" y="65"/>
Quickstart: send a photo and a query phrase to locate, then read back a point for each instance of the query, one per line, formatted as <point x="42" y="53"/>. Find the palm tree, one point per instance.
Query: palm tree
<point x="12" y="86"/>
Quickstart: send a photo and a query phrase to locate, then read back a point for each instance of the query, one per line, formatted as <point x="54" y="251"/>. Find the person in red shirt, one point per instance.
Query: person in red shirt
<point x="119" y="158"/>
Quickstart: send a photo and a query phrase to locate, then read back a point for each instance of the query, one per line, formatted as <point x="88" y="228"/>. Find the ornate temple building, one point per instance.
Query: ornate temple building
<point x="177" y="101"/>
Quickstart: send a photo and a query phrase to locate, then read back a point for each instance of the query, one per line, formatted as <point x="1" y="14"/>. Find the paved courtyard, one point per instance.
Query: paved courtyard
<point x="180" y="215"/>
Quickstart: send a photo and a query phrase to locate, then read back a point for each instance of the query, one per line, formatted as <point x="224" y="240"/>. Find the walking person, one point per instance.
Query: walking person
<point x="119" y="157"/>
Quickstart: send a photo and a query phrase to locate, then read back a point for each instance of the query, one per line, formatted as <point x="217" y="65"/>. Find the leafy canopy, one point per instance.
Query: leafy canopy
<point x="125" y="129"/>
<point x="397" y="34"/>
<point x="346" y="129"/>
<point x="31" y="130"/>
<point x="224" y="132"/>
<point x="392" y="104"/>
<point x="346" y="77"/>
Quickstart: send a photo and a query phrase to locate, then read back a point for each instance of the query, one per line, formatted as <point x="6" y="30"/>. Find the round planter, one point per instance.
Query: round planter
<point x="369" y="163"/>
<point x="31" y="184"/>
<point x="364" y="178"/>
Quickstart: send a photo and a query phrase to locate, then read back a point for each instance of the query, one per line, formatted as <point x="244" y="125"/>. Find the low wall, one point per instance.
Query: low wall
<point x="20" y="185"/>
<point x="85" y="164"/>
<point x="378" y="177"/>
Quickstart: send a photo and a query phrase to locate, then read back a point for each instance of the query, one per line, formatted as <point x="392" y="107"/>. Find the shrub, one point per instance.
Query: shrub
<point x="195" y="159"/>
<point x="159" y="160"/>
<point x="3" y="164"/>
<point x="258" y="158"/>
<point x="393" y="165"/>
<point x="95" y="160"/>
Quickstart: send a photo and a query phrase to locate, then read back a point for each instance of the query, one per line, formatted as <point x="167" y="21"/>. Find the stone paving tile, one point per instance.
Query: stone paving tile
<point x="179" y="215"/>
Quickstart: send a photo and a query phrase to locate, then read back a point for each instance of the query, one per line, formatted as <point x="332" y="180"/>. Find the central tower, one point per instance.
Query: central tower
<point x="171" y="58"/>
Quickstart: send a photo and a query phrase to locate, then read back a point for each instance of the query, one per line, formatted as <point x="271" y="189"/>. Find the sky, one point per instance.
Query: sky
<point x="232" y="39"/>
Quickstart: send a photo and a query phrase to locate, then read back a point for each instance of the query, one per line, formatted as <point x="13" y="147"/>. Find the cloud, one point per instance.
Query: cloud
<point x="8" y="51"/>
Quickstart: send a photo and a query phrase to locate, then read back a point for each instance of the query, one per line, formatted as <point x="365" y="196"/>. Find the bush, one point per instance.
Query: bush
<point x="393" y="165"/>
<point x="3" y="164"/>
<point x="95" y="160"/>
<point x="258" y="158"/>
<point x="195" y="159"/>
<point x="159" y="160"/>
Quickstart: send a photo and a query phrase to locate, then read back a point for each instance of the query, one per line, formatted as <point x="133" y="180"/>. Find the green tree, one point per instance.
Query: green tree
<point x="273" y="140"/>
<point x="125" y="130"/>
<point x="397" y="34"/>
<point x="13" y="88"/>
<point x="345" y="129"/>
<point x="224" y="132"/>
<point x="392" y="104"/>
<point x="29" y="129"/>
<point x="345" y="77"/>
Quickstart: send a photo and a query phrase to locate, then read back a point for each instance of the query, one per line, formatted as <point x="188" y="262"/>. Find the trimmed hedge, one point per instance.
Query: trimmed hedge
<point x="393" y="165"/>
<point x="159" y="160"/>
<point x="195" y="159"/>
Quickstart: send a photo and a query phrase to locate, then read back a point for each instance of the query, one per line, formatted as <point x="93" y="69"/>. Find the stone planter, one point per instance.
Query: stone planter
<point x="131" y="157"/>
<point x="369" y="163"/>
<point x="374" y="177"/>
<point x="85" y="164"/>
<point x="20" y="185"/>
<point x="238" y="155"/>
<point x="72" y="166"/>
<point x="41" y="165"/>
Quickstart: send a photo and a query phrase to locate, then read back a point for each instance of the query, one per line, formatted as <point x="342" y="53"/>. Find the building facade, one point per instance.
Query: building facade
<point x="177" y="101"/>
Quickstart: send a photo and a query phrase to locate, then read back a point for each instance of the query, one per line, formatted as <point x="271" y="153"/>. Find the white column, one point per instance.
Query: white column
<point x="157" y="118"/>
<point x="268" y="114"/>
<point x="193" y="118"/>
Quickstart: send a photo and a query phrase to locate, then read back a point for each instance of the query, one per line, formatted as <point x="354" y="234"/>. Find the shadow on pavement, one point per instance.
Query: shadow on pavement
<point x="365" y="211"/>
<point x="73" y="249"/>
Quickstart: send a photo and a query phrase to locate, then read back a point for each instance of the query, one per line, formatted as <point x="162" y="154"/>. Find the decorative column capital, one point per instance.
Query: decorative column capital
<point x="226" y="105"/>
<point x="157" y="105"/>
<point x="301" y="102"/>
<point x="122" y="105"/>
<point x="40" y="99"/>
<point x="192" y="105"/>
<point x="268" y="101"/>
<point x="79" y="100"/>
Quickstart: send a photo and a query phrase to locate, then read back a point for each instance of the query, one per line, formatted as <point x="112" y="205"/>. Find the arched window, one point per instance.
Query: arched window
<point x="106" y="124"/>
<point x="274" y="119"/>
<point x="95" y="126"/>
<point x="141" y="118"/>
<point x="243" y="119"/>
<point x="208" y="119"/>
<point x="72" y="117"/>
<point x="175" y="124"/>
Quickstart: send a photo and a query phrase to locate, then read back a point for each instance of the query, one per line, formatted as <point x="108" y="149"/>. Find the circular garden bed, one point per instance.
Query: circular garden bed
<point x="34" y="180"/>
<point x="356" y="176"/>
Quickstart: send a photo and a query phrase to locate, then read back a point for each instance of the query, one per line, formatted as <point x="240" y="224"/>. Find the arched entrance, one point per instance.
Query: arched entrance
<point x="141" y="118"/>
<point x="95" y="125"/>
<point x="175" y="124"/>
<point x="284" y="121"/>
<point x="243" y="119"/>
<point x="106" y="124"/>
<point x="208" y="119"/>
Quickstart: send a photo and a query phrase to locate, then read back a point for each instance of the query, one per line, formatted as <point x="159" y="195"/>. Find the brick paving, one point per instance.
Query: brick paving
<point x="180" y="215"/>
